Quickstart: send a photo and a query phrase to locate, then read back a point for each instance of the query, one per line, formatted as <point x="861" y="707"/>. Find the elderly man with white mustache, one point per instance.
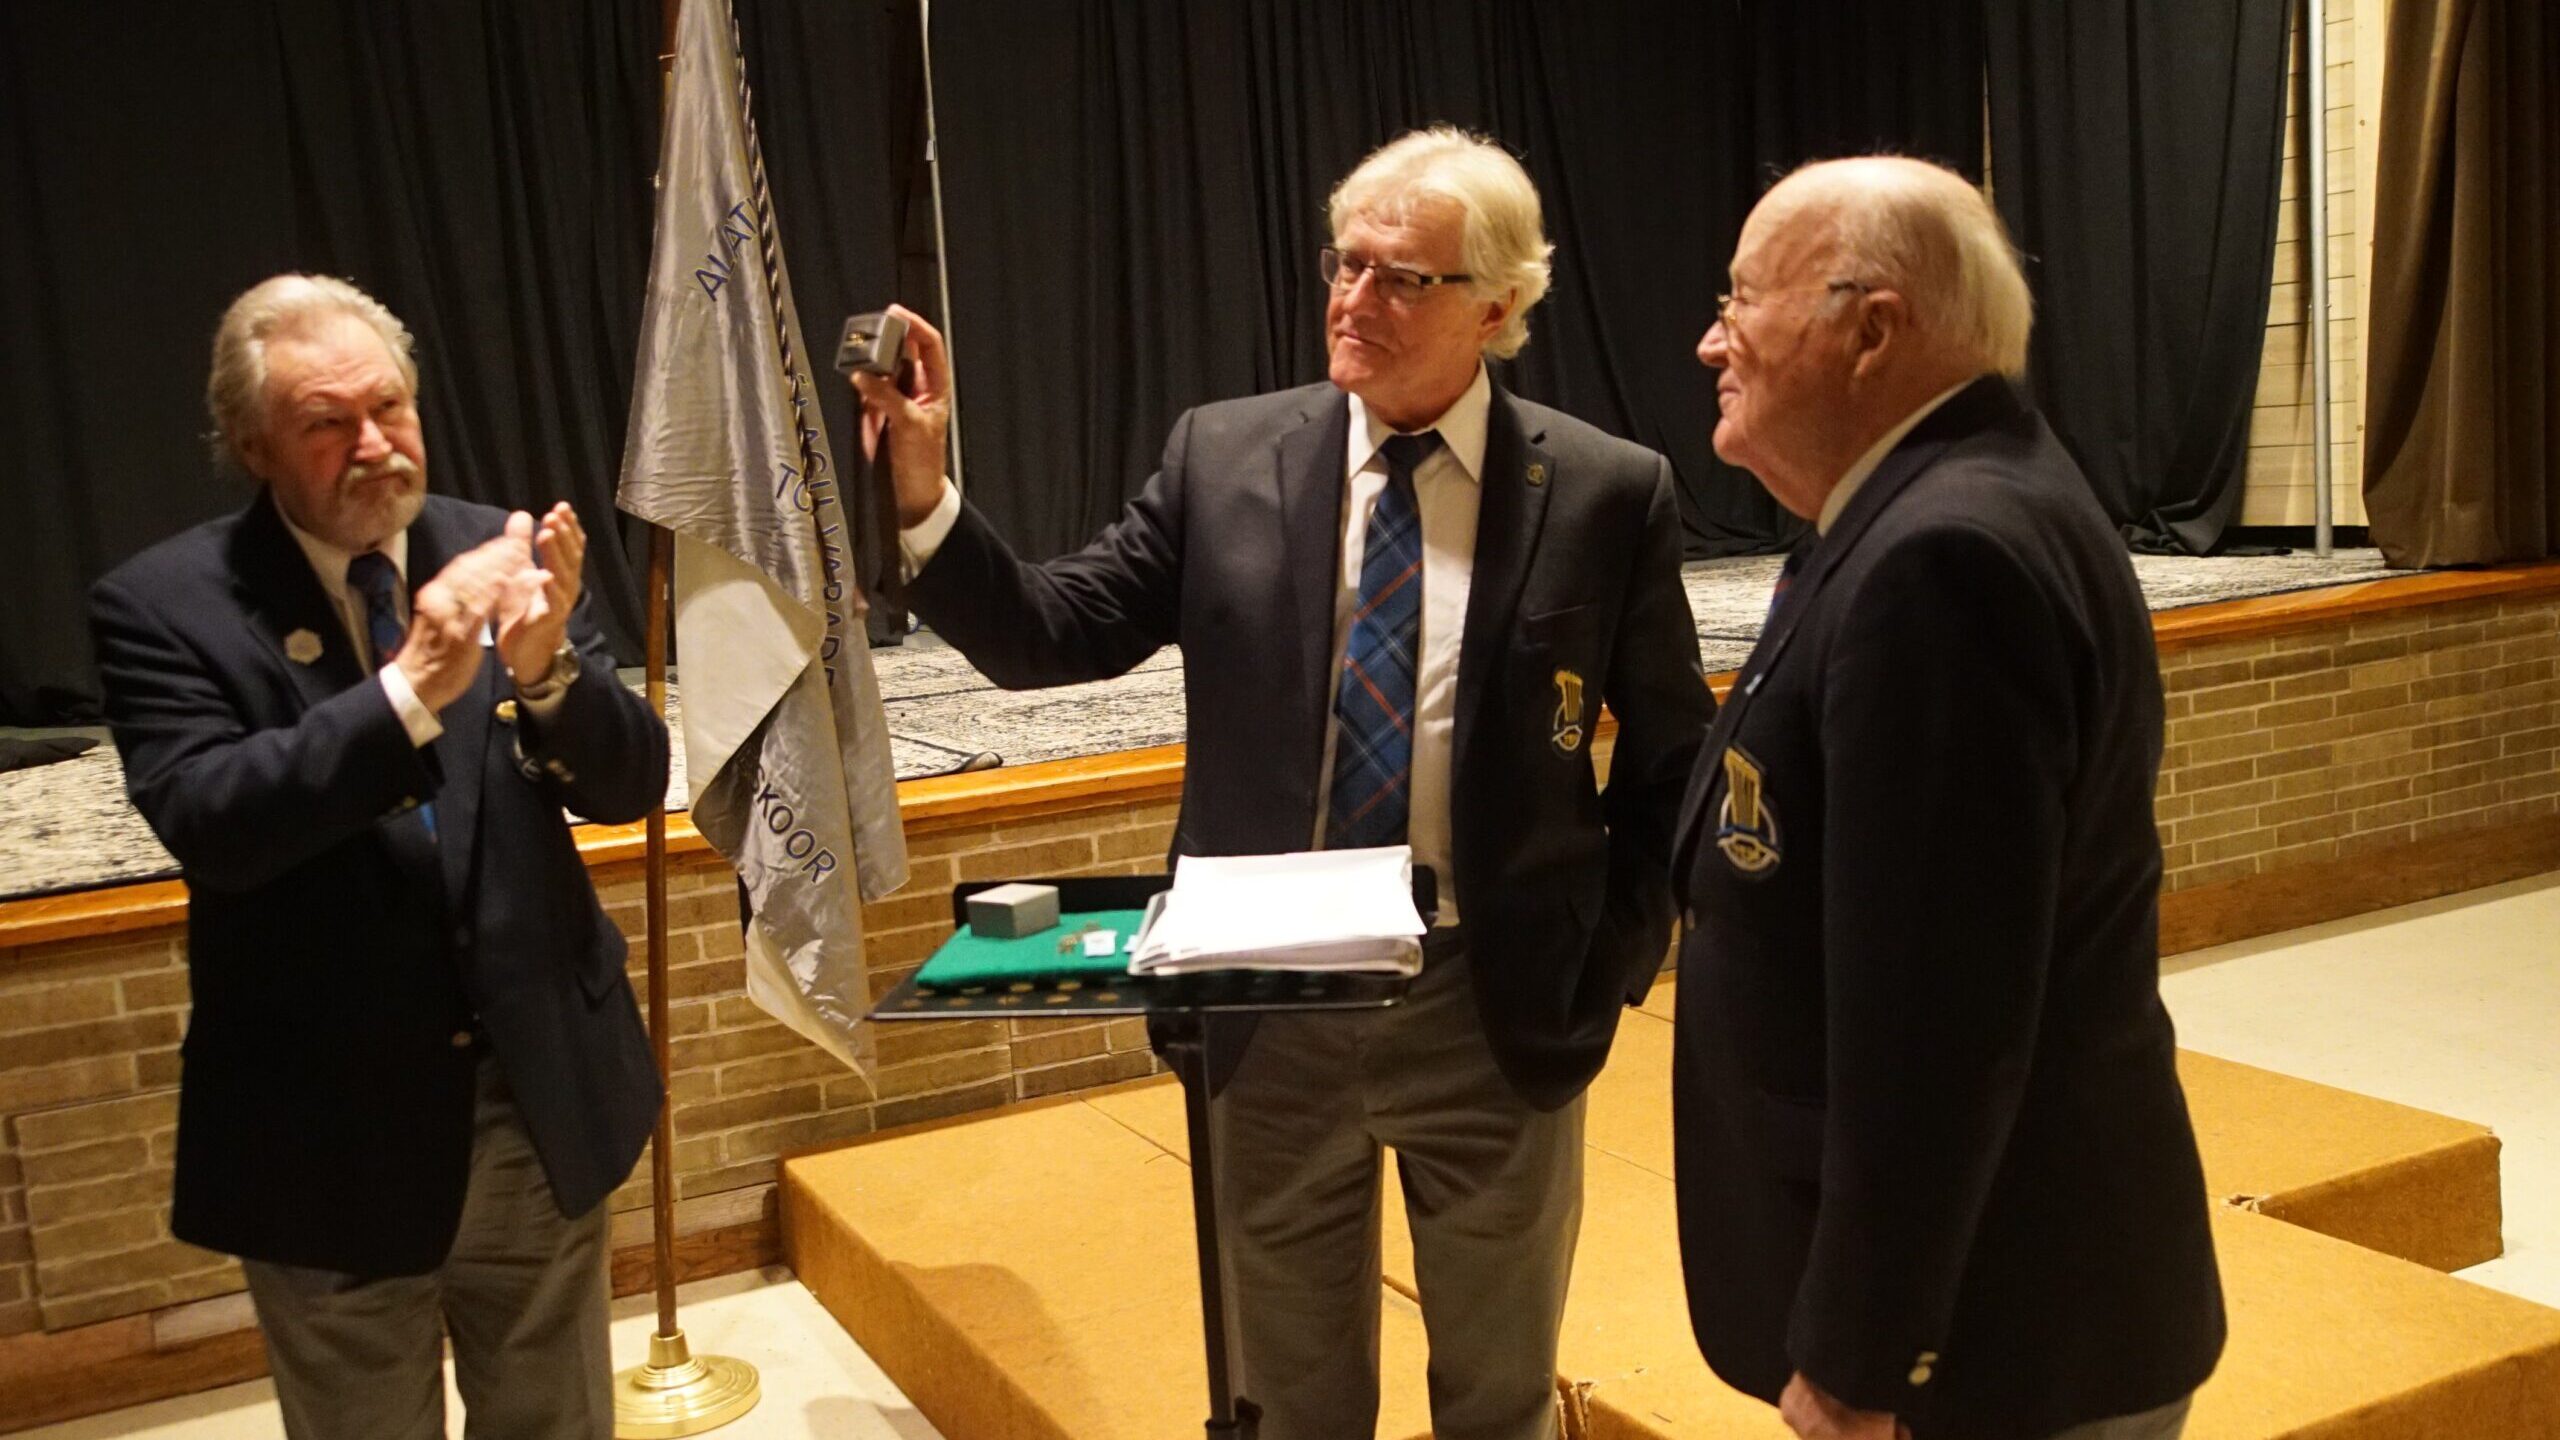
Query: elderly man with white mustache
<point x="414" y="1068"/>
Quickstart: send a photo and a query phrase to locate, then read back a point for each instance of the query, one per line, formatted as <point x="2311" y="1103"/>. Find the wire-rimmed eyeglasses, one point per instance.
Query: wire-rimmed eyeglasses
<point x="1395" y="284"/>
<point x="1727" y="305"/>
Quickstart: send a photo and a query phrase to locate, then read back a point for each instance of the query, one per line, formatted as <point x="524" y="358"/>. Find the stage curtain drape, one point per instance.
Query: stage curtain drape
<point x="1135" y="190"/>
<point x="2462" y="388"/>
<point x="2135" y="153"/>
<point x="483" y="168"/>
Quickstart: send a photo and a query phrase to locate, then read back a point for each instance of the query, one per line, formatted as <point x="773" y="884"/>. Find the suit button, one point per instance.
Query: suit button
<point x="461" y="1039"/>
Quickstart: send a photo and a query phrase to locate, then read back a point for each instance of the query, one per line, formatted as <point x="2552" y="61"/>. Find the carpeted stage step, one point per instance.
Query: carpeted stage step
<point x="2329" y="1341"/>
<point x="2406" y="1182"/>
<point x="1030" y="1274"/>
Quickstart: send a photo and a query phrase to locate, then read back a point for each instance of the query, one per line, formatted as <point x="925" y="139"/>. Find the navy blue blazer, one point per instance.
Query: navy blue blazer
<point x="341" y="960"/>
<point x="1931" y="1146"/>
<point x="1232" y="551"/>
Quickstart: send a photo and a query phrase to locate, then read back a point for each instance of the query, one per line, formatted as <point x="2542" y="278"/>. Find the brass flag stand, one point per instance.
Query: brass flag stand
<point x="676" y="1392"/>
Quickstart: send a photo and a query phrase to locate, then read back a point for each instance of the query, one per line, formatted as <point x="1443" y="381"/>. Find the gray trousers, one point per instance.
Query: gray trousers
<point x="2165" y="1423"/>
<point x="1492" y="1189"/>
<point x="523" y="1294"/>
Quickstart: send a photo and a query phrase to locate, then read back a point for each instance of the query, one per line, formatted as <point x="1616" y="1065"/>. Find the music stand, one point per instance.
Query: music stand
<point x="1177" y="1008"/>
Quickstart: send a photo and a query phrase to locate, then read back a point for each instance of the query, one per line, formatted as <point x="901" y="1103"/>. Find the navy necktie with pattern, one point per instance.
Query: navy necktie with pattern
<point x="1373" y="706"/>
<point x="1787" y="575"/>
<point x="373" y="576"/>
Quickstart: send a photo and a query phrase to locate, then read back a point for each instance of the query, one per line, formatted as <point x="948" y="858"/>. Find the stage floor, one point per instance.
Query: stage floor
<point x="67" y="825"/>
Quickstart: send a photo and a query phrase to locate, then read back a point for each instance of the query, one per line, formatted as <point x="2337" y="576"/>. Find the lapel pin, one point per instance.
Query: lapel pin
<point x="506" y="712"/>
<point x="1537" y="473"/>
<point x="302" y="647"/>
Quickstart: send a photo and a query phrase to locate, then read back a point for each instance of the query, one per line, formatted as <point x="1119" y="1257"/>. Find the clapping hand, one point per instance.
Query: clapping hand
<point x="441" y="653"/>
<point x="533" y="611"/>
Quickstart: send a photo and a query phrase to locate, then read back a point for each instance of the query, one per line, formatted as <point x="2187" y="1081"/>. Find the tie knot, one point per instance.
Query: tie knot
<point x="373" y="575"/>
<point x="1404" y="452"/>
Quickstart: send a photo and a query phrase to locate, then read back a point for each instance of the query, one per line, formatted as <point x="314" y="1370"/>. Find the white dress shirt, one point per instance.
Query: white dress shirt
<point x="1867" y="463"/>
<point x="1448" y="492"/>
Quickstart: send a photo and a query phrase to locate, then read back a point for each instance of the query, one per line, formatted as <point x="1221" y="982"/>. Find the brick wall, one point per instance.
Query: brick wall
<point x="2401" y="728"/>
<point x="2405" y="727"/>
<point x="89" y="1063"/>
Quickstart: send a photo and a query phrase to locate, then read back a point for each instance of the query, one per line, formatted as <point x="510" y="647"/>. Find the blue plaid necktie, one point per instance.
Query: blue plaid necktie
<point x="1373" y="709"/>
<point x="375" y="578"/>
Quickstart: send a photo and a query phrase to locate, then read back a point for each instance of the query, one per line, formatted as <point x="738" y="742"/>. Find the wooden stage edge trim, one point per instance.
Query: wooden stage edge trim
<point x="2324" y="890"/>
<point x="49" y="1377"/>
<point x="1134" y="776"/>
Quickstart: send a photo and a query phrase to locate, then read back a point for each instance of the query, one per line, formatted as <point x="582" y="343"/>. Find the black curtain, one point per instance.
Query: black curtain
<point x="1135" y="190"/>
<point x="2135" y="152"/>
<point x="482" y="168"/>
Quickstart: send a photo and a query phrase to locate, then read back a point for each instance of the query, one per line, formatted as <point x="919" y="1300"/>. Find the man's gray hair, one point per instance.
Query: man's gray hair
<point x="280" y="308"/>
<point x="1924" y="231"/>
<point x="1504" y="242"/>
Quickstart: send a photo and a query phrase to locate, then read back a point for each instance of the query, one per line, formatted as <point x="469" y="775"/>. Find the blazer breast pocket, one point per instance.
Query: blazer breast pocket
<point x="1547" y="628"/>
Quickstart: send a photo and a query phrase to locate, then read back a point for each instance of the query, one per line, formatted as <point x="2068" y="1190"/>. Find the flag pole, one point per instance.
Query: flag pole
<point x="675" y="1392"/>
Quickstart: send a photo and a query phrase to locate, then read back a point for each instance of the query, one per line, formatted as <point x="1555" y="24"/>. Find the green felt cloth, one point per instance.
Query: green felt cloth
<point x="968" y="958"/>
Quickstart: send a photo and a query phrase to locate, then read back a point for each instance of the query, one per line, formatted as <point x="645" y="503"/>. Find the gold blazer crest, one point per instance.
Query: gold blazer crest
<point x="1568" y="732"/>
<point x="1747" y="827"/>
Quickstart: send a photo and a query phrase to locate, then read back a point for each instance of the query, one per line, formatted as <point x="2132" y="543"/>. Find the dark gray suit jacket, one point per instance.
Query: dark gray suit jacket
<point x="1931" y="1144"/>
<point x="1232" y="552"/>
<point x="335" y="951"/>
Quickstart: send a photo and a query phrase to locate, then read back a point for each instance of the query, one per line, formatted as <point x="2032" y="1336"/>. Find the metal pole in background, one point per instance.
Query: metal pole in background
<point x="675" y="1392"/>
<point x="941" y="244"/>
<point x="2315" y="130"/>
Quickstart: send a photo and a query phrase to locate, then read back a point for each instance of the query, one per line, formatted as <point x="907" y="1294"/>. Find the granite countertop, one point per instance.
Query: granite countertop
<point x="66" y="826"/>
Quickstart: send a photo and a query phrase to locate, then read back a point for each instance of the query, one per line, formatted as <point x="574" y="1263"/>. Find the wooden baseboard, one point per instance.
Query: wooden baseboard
<point x="46" y="1378"/>
<point x="704" y="1254"/>
<point x="2308" y="894"/>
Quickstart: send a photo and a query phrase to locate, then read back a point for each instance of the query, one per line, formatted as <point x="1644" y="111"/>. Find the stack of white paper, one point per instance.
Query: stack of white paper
<point x="1314" y="910"/>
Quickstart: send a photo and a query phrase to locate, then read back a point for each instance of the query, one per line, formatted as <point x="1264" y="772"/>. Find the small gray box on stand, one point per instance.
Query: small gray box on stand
<point x="1009" y="912"/>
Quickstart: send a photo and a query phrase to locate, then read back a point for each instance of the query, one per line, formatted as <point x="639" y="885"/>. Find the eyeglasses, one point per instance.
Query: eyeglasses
<point x="1726" y="305"/>
<point x="1394" y="283"/>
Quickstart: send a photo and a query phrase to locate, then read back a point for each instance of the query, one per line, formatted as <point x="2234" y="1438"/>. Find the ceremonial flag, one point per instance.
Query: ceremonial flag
<point x="786" y="747"/>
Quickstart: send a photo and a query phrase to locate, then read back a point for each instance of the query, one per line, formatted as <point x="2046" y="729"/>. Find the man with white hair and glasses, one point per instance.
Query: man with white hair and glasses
<point x="1402" y="597"/>
<point x="1935" y="1169"/>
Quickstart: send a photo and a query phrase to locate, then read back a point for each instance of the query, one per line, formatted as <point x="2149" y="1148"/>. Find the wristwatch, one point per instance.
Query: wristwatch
<point x="564" y="669"/>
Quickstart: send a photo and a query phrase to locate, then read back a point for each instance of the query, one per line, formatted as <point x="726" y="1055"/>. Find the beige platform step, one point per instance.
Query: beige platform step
<point x="2329" y="1341"/>
<point x="1030" y="1275"/>
<point x="2406" y="1182"/>
<point x="2422" y="1183"/>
